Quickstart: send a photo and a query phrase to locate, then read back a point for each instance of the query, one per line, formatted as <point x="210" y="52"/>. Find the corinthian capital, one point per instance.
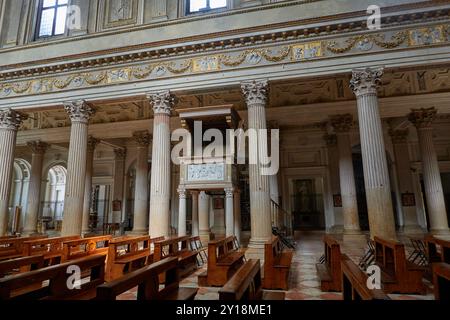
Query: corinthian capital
<point x="11" y="119"/>
<point x="79" y="111"/>
<point x="142" y="138"/>
<point x="366" y="81"/>
<point x="342" y="122"/>
<point x="37" y="147"/>
<point x="162" y="101"/>
<point x="422" y="118"/>
<point x="92" y="143"/>
<point x="120" y="153"/>
<point x="255" y="91"/>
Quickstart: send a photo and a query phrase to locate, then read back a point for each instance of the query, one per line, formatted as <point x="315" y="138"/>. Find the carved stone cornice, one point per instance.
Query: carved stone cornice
<point x="11" y="119"/>
<point x="120" y="153"/>
<point x="255" y="92"/>
<point x="79" y="111"/>
<point x="162" y="101"/>
<point x="330" y="140"/>
<point x="38" y="147"/>
<point x="422" y="118"/>
<point x="366" y="81"/>
<point x="399" y="136"/>
<point x="92" y="143"/>
<point x="142" y="138"/>
<point x="342" y="123"/>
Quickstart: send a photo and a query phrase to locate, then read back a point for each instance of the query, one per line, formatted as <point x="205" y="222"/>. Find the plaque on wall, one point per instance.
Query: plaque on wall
<point x="120" y="13"/>
<point x="337" y="200"/>
<point x="206" y="172"/>
<point x="218" y="203"/>
<point x="408" y="200"/>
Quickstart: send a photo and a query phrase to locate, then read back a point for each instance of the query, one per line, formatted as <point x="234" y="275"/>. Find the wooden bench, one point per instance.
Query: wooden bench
<point x="19" y="265"/>
<point x="329" y="272"/>
<point x="51" y="248"/>
<point x="246" y="284"/>
<point x="78" y="248"/>
<point x="438" y="250"/>
<point x="11" y="248"/>
<point x="50" y="283"/>
<point x="147" y="281"/>
<point x="223" y="262"/>
<point x="177" y="247"/>
<point x="354" y="283"/>
<point x="441" y="281"/>
<point x="126" y="254"/>
<point x="398" y="275"/>
<point x="277" y="263"/>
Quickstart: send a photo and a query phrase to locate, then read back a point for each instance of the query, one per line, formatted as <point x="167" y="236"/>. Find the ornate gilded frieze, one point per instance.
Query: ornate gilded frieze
<point x="238" y="59"/>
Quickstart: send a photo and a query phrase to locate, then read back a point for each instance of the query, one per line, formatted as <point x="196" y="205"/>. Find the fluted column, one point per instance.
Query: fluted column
<point x="182" y="208"/>
<point x="342" y="125"/>
<point x="79" y="113"/>
<point x="422" y="119"/>
<point x="229" y="212"/>
<point x="404" y="177"/>
<point x="142" y="139"/>
<point x="10" y="120"/>
<point x="237" y="215"/>
<point x="203" y="217"/>
<point x="162" y="103"/>
<point x="255" y="93"/>
<point x="364" y="84"/>
<point x="195" y="222"/>
<point x="38" y="149"/>
<point x="91" y="144"/>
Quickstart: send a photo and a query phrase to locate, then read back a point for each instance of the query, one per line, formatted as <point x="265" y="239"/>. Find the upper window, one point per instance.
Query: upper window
<point x="52" y="18"/>
<point x="194" y="6"/>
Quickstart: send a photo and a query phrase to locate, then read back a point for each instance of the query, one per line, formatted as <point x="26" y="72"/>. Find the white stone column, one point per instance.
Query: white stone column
<point x="333" y="169"/>
<point x="38" y="149"/>
<point x="162" y="102"/>
<point x="92" y="143"/>
<point x="119" y="183"/>
<point x="142" y="139"/>
<point x="422" y="119"/>
<point x="79" y="112"/>
<point x="342" y="125"/>
<point x="182" y="212"/>
<point x="404" y="177"/>
<point x="195" y="222"/>
<point x="255" y="93"/>
<point x="237" y="215"/>
<point x="364" y="84"/>
<point x="203" y="217"/>
<point x="10" y="120"/>
<point x="229" y="212"/>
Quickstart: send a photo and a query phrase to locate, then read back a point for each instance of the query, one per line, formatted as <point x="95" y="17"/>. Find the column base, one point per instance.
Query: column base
<point x="255" y="249"/>
<point x="205" y="238"/>
<point x="336" y="229"/>
<point x="29" y="233"/>
<point x="137" y="233"/>
<point x="440" y="232"/>
<point x="413" y="229"/>
<point x="354" y="236"/>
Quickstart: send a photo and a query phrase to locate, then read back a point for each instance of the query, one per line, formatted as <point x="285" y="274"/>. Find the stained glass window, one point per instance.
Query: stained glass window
<point x="52" y="18"/>
<point x="194" y="6"/>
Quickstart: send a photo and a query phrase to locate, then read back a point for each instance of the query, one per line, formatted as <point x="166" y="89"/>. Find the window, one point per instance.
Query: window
<point x="52" y="18"/>
<point x="194" y="6"/>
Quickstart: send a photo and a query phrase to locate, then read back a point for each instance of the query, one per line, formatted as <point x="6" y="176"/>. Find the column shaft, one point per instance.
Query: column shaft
<point x="92" y="142"/>
<point x="195" y="217"/>
<point x="237" y="215"/>
<point x="141" y="187"/>
<point x="182" y="213"/>
<point x="203" y="217"/>
<point x="229" y="212"/>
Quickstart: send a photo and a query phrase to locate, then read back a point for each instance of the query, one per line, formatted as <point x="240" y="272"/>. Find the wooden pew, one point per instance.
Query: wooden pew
<point x="147" y="281"/>
<point x="441" y="281"/>
<point x="277" y="263"/>
<point x="126" y="254"/>
<point x="177" y="247"/>
<point x="329" y="272"/>
<point x="354" y="283"/>
<point x="78" y="248"/>
<point x="438" y="250"/>
<point x="50" y="248"/>
<point x="246" y="284"/>
<point x="19" y="265"/>
<point x="50" y="283"/>
<point x="11" y="248"/>
<point x="398" y="275"/>
<point x="223" y="262"/>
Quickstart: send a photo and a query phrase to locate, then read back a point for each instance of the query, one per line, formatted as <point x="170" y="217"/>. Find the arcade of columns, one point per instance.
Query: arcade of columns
<point x="364" y="84"/>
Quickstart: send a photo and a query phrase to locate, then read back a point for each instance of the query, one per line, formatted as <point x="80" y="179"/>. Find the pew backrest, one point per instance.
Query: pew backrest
<point x="245" y="284"/>
<point x="22" y="264"/>
<point x="48" y="247"/>
<point x="13" y="247"/>
<point x="78" y="248"/>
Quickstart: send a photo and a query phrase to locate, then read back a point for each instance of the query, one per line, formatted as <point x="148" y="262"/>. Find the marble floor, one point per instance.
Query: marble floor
<point x="303" y="281"/>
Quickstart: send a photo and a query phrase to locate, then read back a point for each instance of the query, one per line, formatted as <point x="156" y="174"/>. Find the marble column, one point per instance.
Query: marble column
<point x="255" y="94"/>
<point x="182" y="212"/>
<point x="10" y="121"/>
<point x="92" y="143"/>
<point x="79" y="112"/>
<point x="237" y="215"/>
<point x="342" y="125"/>
<point x="142" y="139"/>
<point x="364" y="84"/>
<point x="422" y="119"/>
<point x="333" y="169"/>
<point x="195" y="223"/>
<point x="229" y="212"/>
<point x="162" y="103"/>
<point x="119" y="183"/>
<point x="405" y="180"/>
<point x="203" y="217"/>
<point x="38" y="149"/>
